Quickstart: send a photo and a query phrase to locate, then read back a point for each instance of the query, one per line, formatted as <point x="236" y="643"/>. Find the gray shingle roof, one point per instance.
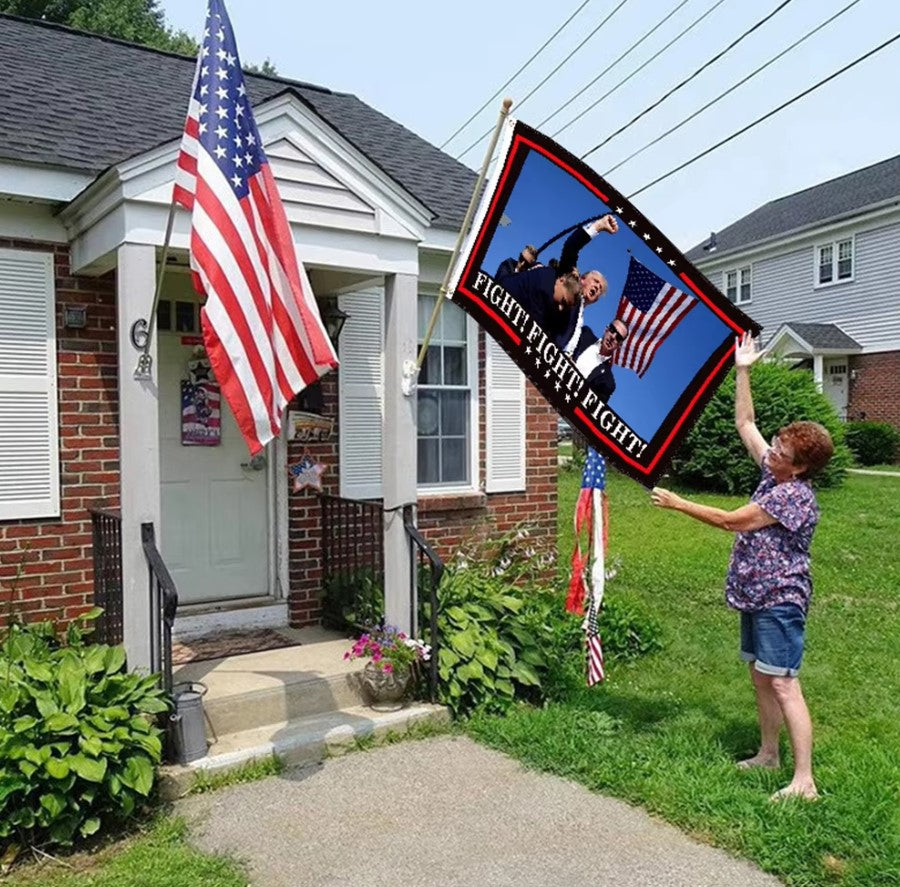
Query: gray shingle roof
<point x="83" y="102"/>
<point x="839" y="197"/>
<point x="824" y="335"/>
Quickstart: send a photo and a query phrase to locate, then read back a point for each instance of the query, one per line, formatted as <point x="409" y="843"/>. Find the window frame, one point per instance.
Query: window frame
<point x="835" y="246"/>
<point x="739" y="283"/>
<point x="473" y="387"/>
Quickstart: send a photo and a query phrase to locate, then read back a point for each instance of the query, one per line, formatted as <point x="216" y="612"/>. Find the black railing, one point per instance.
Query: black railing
<point x="426" y="569"/>
<point x="352" y="562"/>
<point x="163" y="604"/>
<point x="106" y="525"/>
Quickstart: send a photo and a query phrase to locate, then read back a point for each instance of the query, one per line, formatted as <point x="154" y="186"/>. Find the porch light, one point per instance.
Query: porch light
<point x="334" y="320"/>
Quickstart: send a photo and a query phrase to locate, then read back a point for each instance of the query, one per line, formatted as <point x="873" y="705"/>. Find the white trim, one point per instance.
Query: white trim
<point x="30" y="221"/>
<point x="835" y="252"/>
<point x="739" y="272"/>
<point x="41" y="183"/>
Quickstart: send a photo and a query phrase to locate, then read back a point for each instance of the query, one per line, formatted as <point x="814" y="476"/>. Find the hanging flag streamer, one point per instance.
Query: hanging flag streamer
<point x="589" y="563"/>
<point x="607" y="318"/>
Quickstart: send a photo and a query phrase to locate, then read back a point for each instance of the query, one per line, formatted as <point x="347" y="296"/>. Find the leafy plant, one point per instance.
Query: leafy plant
<point x="353" y="599"/>
<point x="712" y="456"/>
<point x="389" y="649"/>
<point x="872" y="443"/>
<point x="78" y="742"/>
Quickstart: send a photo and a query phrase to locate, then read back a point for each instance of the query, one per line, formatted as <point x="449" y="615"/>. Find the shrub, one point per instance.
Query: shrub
<point x="78" y="744"/>
<point x="712" y="456"/>
<point x="872" y="443"/>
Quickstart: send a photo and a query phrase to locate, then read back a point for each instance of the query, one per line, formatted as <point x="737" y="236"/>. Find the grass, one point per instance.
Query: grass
<point x="158" y="857"/>
<point x="664" y="732"/>
<point x="894" y="468"/>
<point x="249" y="772"/>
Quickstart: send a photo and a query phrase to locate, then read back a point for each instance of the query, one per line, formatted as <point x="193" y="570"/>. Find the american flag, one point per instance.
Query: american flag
<point x="588" y="567"/>
<point x="651" y="308"/>
<point x="261" y="325"/>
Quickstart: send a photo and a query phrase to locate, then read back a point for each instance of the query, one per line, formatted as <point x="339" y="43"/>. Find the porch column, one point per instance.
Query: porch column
<point x="818" y="372"/>
<point x="138" y="447"/>
<point x="399" y="443"/>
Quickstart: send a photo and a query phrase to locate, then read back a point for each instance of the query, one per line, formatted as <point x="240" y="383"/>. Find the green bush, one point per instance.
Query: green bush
<point x="78" y="743"/>
<point x="872" y="443"/>
<point x="713" y="457"/>
<point x="353" y="599"/>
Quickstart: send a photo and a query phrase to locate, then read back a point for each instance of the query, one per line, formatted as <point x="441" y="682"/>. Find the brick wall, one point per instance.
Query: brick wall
<point x="57" y="581"/>
<point x="876" y="390"/>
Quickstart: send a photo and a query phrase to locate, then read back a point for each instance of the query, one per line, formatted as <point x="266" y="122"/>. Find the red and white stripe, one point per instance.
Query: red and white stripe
<point x="261" y="325"/>
<point x="647" y="330"/>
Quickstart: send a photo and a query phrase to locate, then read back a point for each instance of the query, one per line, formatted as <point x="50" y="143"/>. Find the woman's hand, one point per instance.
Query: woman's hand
<point x="745" y="353"/>
<point x="663" y="498"/>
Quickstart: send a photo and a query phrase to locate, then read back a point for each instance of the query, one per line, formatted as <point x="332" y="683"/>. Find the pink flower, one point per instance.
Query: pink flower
<point x="387" y="667"/>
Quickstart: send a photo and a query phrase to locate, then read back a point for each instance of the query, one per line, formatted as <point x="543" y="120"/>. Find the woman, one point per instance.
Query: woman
<point x="768" y="579"/>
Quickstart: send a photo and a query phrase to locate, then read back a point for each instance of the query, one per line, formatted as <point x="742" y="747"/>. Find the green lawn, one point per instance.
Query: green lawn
<point x="686" y="714"/>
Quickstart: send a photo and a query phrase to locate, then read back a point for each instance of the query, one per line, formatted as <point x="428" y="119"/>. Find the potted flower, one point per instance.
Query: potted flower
<point x="392" y="656"/>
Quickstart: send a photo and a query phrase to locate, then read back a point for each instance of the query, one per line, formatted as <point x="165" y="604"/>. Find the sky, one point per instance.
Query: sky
<point x="430" y="66"/>
<point x="546" y="200"/>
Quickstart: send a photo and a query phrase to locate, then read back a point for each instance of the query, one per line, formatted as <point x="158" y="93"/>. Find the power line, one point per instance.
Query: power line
<point x="771" y="113"/>
<point x="536" y="88"/>
<point x="731" y="89"/>
<point x="609" y="67"/>
<point x="702" y="68"/>
<point x="640" y="68"/>
<point x="500" y="90"/>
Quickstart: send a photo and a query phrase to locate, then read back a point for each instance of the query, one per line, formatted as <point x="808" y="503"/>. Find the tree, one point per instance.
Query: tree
<point x="266" y="68"/>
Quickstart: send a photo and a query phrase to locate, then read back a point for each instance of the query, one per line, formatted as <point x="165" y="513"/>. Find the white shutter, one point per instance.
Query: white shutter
<point x="362" y="393"/>
<point x="505" y="421"/>
<point x="29" y="436"/>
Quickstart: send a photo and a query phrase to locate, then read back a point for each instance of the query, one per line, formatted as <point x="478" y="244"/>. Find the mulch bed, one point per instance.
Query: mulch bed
<point x="228" y="643"/>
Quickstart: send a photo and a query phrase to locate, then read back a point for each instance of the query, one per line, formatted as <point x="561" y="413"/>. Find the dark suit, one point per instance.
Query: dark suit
<point x="601" y="379"/>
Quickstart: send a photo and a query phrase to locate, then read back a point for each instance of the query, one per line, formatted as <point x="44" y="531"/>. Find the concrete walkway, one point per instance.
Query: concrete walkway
<point x="445" y="812"/>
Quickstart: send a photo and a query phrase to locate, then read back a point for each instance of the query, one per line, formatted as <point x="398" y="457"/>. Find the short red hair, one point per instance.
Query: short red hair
<point x="812" y="445"/>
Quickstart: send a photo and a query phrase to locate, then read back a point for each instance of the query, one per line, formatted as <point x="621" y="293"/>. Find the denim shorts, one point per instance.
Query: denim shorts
<point x="773" y="639"/>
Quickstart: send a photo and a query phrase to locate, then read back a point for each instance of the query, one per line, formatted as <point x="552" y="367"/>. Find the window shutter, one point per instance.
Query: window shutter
<point x="505" y="421"/>
<point x="29" y="436"/>
<point x="362" y="388"/>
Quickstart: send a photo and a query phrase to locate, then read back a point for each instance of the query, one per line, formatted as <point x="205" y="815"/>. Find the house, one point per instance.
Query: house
<point x="820" y="270"/>
<point x="91" y="130"/>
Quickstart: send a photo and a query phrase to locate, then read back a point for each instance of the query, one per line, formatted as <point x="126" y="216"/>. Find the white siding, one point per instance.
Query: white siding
<point x="29" y="434"/>
<point x="362" y="393"/>
<point x="504" y="420"/>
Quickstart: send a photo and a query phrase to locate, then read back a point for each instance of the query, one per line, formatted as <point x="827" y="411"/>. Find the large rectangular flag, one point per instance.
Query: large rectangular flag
<point x="651" y="308"/>
<point x="261" y="326"/>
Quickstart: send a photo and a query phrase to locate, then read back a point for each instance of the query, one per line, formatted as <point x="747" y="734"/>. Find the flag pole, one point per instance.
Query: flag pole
<point x="143" y="372"/>
<point x="410" y="369"/>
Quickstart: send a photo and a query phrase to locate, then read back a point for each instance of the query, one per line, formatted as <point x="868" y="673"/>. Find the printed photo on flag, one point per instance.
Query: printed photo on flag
<point x="605" y="316"/>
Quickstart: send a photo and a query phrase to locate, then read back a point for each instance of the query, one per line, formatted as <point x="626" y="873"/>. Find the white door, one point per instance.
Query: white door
<point x="214" y="504"/>
<point x="835" y="383"/>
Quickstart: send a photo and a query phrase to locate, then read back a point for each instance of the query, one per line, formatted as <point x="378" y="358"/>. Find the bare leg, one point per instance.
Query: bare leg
<point x="770" y="720"/>
<point x="799" y="726"/>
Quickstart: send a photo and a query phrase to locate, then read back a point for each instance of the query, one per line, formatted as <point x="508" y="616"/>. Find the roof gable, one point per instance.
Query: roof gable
<point x="84" y="102"/>
<point x="843" y="196"/>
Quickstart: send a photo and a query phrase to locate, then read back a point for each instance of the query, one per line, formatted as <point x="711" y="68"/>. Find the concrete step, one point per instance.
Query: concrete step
<point x="306" y="740"/>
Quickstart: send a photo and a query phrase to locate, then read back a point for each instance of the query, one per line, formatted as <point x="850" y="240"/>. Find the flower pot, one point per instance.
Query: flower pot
<point x="385" y="690"/>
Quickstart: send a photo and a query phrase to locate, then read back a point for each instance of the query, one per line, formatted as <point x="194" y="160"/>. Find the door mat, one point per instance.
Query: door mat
<point x="229" y="643"/>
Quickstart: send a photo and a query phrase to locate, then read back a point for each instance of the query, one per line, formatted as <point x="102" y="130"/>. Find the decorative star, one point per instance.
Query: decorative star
<point x="568" y="398"/>
<point x="221" y="55"/>
<point x="221" y="73"/>
<point x="221" y="132"/>
<point x="220" y="152"/>
<point x="646" y="237"/>
<point x="222" y="93"/>
<point x="221" y="112"/>
<point x="632" y="223"/>
<point x="547" y="374"/>
<point x="202" y="108"/>
<point x="236" y="179"/>
<point x="242" y="90"/>
<point x="672" y="262"/>
<point x="659" y="249"/>
<point x="230" y="59"/>
<point x="528" y="349"/>
<point x="201" y="372"/>
<point x="620" y="210"/>
<point x="204" y="89"/>
<point x="202" y="128"/>
<point x="557" y="386"/>
<point x="307" y="473"/>
<point x="537" y="361"/>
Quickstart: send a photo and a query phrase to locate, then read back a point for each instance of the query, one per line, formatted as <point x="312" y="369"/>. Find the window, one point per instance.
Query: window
<point x="444" y="398"/>
<point x="834" y="262"/>
<point x="737" y="285"/>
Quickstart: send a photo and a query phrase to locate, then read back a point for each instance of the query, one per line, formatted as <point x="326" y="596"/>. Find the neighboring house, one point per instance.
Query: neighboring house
<point x="820" y="270"/>
<point x="90" y="132"/>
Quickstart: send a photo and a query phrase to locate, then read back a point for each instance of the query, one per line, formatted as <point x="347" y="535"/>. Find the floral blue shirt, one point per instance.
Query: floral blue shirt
<point x="770" y="566"/>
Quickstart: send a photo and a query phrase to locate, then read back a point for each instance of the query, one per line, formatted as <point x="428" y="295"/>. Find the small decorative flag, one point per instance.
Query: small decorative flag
<point x="201" y="414"/>
<point x="588" y="566"/>
<point x="307" y="473"/>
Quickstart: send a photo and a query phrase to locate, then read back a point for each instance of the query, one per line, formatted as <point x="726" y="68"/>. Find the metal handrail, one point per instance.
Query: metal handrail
<point x="163" y="606"/>
<point x="437" y="571"/>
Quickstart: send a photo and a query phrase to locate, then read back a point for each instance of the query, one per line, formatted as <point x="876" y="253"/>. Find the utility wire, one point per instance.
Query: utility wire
<point x="678" y="86"/>
<point x="500" y="90"/>
<point x="771" y="113"/>
<point x="640" y="68"/>
<point x="731" y="89"/>
<point x="609" y="67"/>
<point x="563" y="62"/>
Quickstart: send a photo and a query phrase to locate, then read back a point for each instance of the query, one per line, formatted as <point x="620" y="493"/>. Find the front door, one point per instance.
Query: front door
<point x="835" y="383"/>
<point x="215" y="515"/>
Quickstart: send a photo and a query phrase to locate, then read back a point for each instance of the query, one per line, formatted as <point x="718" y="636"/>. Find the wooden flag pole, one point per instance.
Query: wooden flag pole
<point x="463" y="230"/>
<point x="143" y="370"/>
